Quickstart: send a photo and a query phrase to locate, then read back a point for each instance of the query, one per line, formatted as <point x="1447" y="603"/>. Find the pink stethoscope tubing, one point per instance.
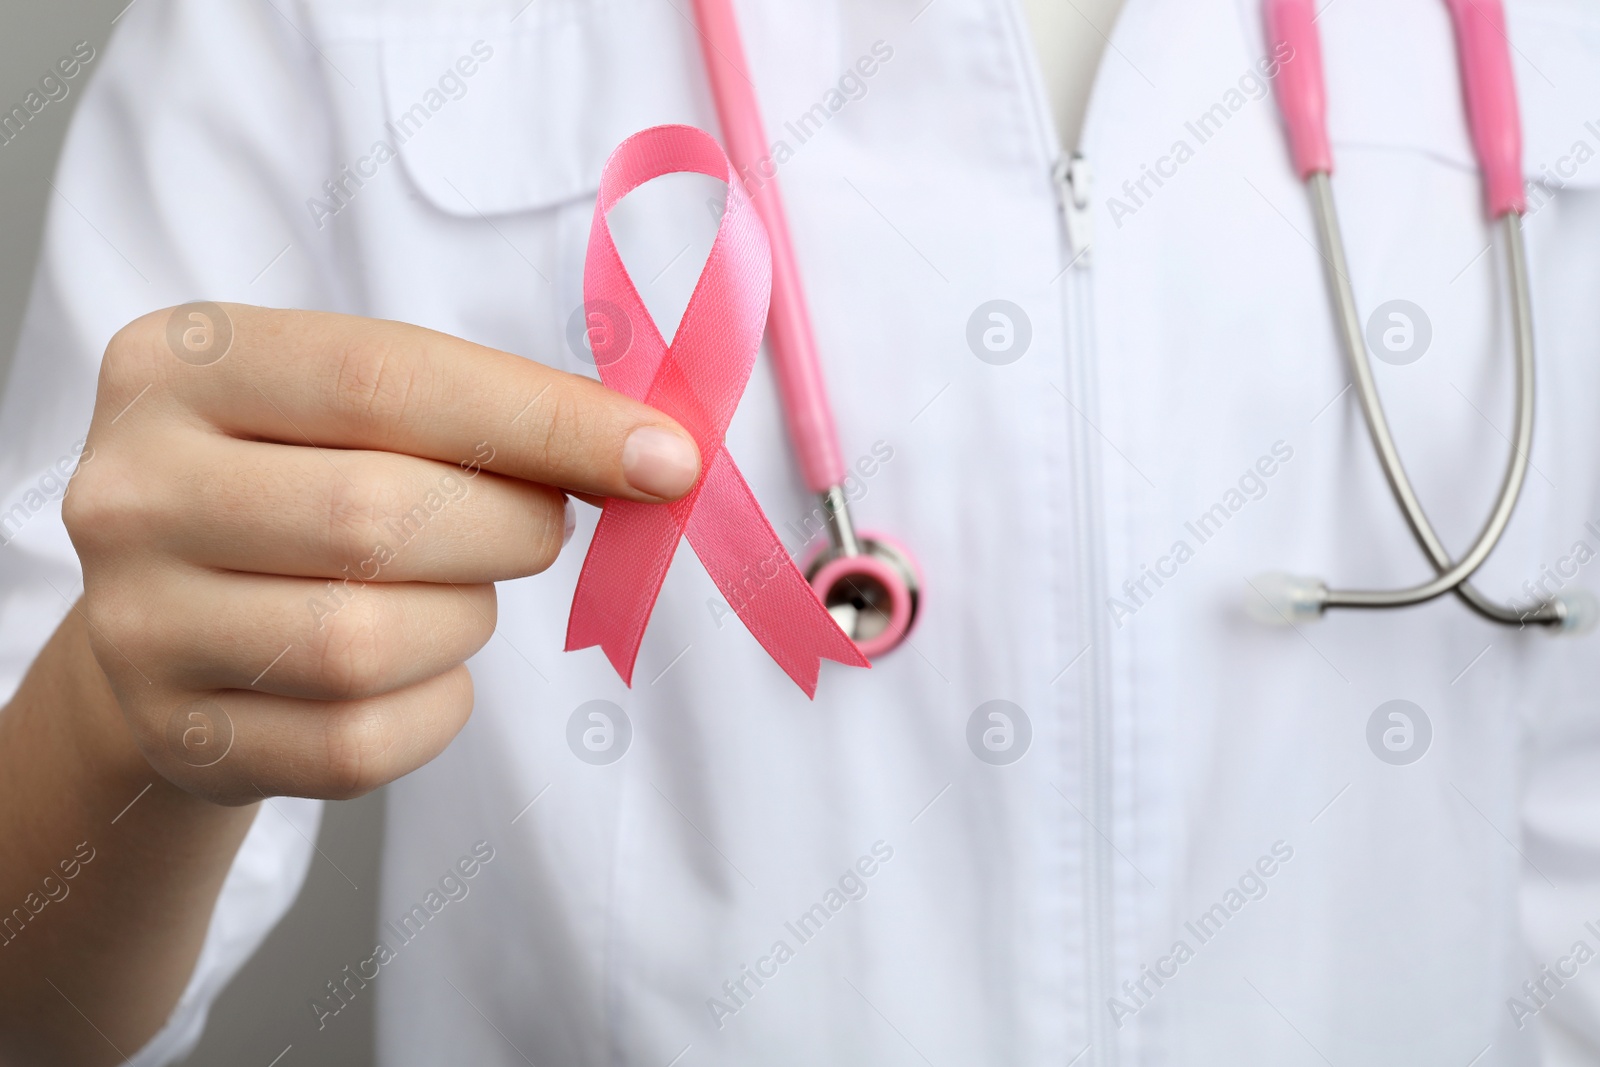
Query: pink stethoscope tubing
<point x="870" y="583"/>
<point x="1486" y="81"/>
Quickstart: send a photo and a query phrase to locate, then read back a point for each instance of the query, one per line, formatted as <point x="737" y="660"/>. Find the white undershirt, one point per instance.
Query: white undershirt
<point x="1070" y="36"/>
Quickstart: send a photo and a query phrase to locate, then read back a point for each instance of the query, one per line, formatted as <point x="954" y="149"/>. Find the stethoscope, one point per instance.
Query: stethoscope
<point x="868" y="582"/>
<point x="1491" y="103"/>
<point x="871" y="584"/>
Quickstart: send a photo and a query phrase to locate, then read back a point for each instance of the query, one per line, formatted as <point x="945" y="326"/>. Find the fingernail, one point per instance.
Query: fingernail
<point x="660" y="462"/>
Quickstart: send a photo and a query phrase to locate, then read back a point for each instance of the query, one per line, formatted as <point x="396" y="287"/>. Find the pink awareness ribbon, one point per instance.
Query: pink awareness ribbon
<point x="698" y="380"/>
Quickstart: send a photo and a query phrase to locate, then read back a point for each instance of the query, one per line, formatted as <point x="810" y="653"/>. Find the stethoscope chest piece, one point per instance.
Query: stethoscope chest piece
<point x="872" y="594"/>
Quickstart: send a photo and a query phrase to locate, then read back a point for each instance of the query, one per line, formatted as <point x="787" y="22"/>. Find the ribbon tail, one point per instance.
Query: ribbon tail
<point x="755" y="575"/>
<point x="622" y="574"/>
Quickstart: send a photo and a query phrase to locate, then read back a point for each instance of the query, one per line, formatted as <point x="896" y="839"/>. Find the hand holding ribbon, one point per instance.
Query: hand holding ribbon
<point x="698" y="380"/>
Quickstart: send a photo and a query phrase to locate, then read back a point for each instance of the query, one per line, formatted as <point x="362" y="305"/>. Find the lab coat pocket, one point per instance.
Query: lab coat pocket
<point x="1393" y="74"/>
<point x="479" y="131"/>
<point x="540" y="98"/>
<point x="1556" y="58"/>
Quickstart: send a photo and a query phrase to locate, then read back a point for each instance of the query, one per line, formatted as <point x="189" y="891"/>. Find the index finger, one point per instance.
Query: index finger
<point x="338" y="381"/>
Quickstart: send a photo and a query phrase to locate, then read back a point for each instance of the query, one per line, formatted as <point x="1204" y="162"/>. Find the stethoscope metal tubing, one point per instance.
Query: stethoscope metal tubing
<point x="841" y="530"/>
<point x="1453" y="574"/>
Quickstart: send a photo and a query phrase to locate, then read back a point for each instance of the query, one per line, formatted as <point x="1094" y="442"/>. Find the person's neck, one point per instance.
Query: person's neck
<point x="1070" y="37"/>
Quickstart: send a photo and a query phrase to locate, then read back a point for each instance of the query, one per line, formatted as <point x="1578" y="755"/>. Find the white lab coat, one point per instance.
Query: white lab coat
<point x="1191" y="777"/>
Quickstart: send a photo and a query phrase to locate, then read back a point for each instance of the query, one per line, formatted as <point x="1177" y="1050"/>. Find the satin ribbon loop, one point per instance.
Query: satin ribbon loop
<point x="698" y="380"/>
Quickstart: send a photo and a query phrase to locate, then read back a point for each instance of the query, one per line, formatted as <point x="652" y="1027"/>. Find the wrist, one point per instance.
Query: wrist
<point x="146" y="860"/>
<point x="94" y="728"/>
<point x="75" y="702"/>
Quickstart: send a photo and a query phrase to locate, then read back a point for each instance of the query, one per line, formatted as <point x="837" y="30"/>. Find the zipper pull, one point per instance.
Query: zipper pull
<point x="1073" y="178"/>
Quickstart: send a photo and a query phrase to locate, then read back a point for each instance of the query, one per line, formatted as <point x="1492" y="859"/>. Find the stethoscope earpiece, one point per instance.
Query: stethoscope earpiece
<point x="1579" y="611"/>
<point x="1278" y="599"/>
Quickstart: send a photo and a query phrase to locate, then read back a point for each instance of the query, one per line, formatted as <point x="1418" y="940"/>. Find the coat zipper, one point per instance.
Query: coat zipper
<point x="1073" y="181"/>
<point x="1071" y="178"/>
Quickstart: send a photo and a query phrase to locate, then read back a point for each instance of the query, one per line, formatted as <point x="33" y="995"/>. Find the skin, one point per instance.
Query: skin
<point x="209" y="516"/>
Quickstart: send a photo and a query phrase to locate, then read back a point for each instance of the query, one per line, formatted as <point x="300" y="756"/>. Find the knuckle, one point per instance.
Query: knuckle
<point x="558" y="438"/>
<point x="481" y="617"/>
<point x="358" y="741"/>
<point x="349" y="651"/>
<point x="121" y="631"/>
<point x="147" y="729"/>
<point x="132" y="354"/>
<point x="106" y="502"/>
<point x="550" y="524"/>
<point x="104" y="612"/>
<point x="376" y="380"/>
<point x="355" y="514"/>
